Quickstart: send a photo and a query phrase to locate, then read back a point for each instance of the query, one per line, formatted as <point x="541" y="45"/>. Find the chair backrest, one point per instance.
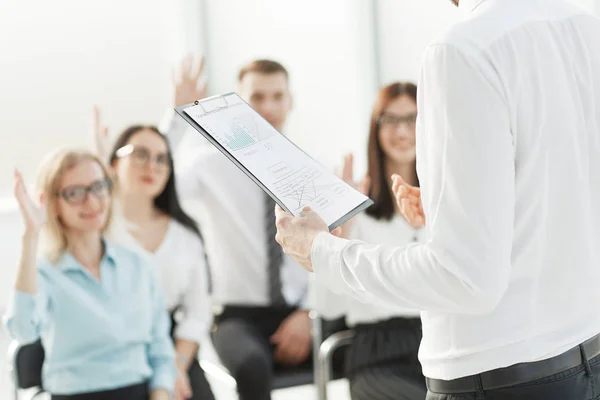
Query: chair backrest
<point x="305" y="374"/>
<point x="27" y="365"/>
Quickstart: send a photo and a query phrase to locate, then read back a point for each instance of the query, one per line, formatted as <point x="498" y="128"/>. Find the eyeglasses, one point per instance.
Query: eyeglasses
<point x="396" y="120"/>
<point x="78" y="194"/>
<point x="141" y="156"/>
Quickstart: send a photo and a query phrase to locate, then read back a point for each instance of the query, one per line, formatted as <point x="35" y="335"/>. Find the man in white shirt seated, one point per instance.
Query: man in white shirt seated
<point x="508" y="150"/>
<point x="259" y="295"/>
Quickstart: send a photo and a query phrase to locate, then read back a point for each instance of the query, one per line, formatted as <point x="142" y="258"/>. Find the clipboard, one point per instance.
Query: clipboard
<point x="218" y="103"/>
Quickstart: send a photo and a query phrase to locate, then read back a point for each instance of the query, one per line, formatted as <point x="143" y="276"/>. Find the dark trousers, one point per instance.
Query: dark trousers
<point x="200" y="387"/>
<point x="135" y="392"/>
<point x="241" y="337"/>
<point x="382" y="361"/>
<point x="578" y="383"/>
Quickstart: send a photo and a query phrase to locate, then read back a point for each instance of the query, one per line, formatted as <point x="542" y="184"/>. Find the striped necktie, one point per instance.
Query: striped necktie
<point x="275" y="255"/>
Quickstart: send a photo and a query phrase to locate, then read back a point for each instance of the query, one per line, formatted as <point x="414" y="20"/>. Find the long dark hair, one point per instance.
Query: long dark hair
<point x="380" y="191"/>
<point x="167" y="201"/>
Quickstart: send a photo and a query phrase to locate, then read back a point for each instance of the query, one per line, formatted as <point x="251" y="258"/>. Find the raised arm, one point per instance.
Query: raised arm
<point x="196" y="308"/>
<point x="23" y="315"/>
<point x="190" y="86"/>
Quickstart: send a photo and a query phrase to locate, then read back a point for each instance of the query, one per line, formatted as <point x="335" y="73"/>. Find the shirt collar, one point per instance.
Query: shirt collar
<point x="469" y="5"/>
<point x="67" y="262"/>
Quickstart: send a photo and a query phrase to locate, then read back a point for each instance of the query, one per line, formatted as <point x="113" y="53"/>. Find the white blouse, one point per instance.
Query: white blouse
<point x="183" y="272"/>
<point x="330" y="305"/>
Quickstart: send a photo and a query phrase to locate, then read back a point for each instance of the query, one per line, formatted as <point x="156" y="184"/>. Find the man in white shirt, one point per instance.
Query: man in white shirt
<point x="508" y="153"/>
<point x="260" y="297"/>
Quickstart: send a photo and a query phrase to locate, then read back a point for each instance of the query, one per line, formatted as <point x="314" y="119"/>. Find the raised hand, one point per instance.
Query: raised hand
<point x="100" y="133"/>
<point x="363" y="186"/>
<point x="348" y="175"/>
<point x="189" y="86"/>
<point x="33" y="214"/>
<point x="408" y="199"/>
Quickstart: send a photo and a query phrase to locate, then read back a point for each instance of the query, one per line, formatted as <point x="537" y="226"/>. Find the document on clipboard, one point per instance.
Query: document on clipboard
<point x="291" y="177"/>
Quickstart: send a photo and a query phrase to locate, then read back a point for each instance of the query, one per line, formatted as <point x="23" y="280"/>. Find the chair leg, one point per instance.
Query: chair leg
<point x="317" y="338"/>
<point x="326" y="351"/>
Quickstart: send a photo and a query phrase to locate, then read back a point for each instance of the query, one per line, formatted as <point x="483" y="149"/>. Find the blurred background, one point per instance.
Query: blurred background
<point x="60" y="57"/>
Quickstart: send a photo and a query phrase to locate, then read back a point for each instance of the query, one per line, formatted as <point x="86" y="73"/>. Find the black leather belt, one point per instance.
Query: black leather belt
<point x="519" y="373"/>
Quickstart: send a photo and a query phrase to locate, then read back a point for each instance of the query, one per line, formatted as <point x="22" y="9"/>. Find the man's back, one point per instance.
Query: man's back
<point x="544" y="59"/>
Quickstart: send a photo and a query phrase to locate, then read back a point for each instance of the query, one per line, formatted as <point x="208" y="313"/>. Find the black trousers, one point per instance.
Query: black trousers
<point x="382" y="361"/>
<point x="241" y="337"/>
<point x="135" y="392"/>
<point x="200" y="387"/>
<point x="578" y="383"/>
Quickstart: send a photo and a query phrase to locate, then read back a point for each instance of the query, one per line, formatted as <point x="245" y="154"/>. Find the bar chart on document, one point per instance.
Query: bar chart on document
<point x="292" y="176"/>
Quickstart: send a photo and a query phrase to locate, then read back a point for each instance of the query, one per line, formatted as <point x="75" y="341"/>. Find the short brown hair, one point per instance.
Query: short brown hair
<point x="380" y="190"/>
<point x="267" y="67"/>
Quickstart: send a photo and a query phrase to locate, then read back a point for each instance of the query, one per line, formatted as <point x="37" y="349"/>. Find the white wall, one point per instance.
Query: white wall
<point x="59" y="57"/>
<point x="327" y="47"/>
<point x="405" y="29"/>
<point x="587" y="5"/>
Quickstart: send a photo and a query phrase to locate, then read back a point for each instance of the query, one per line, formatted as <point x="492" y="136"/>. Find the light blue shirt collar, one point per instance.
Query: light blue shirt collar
<point x="67" y="262"/>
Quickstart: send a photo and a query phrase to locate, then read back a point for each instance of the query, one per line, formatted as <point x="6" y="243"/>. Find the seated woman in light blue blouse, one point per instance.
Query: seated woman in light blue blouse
<point x="97" y="307"/>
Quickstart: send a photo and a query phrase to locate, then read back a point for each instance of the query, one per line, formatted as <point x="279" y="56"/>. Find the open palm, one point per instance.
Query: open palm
<point x="409" y="201"/>
<point x="363" y="186"/>
<point x="189" y="86"/>
<point x="348" y="176"/>
<point x="33" y="214"/>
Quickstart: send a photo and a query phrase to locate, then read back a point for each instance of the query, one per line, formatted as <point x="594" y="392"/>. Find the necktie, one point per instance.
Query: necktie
<point x="274" y="254"/>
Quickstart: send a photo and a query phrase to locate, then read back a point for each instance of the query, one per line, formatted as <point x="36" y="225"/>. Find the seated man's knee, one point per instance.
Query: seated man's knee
<point x="254" y="371"/>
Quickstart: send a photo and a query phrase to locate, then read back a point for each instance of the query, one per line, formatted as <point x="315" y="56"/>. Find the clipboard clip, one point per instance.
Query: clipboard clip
<point x="196" y="102"/>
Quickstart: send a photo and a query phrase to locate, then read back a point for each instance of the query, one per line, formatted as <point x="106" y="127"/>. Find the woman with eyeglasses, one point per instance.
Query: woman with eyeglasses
<point x="97" y="307"/>
<point x="382" y="359"/>
<point x="142" y="167"/>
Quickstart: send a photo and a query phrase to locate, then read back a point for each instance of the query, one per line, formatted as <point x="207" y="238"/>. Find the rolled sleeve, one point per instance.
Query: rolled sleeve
<point x="308" y="301"/>
<point x="326" y="255"/>
<point x="22" y="318"/>
<point x="195" y="304"/>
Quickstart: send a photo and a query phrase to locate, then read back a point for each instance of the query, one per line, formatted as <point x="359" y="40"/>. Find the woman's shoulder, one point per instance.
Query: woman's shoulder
<point x="184" y="237"/>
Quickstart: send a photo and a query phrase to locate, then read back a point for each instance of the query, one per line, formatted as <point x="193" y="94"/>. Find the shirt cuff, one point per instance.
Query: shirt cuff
<point x="191" y="329"/>
<point x="164" y="377"/>
<point x="20" y="317"/>
<point x="308" y="300"/>
<point x="326" y="260"/>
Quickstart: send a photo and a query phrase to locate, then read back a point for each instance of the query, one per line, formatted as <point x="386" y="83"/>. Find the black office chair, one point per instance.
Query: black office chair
<point x="304" y="375"/>
<point x="25" y="367"/>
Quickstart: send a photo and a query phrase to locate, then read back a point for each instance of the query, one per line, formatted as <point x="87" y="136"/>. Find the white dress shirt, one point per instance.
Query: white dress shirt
<point x="183" y="272"/>
<point x="230" y="209"/>
<point x="373" y="231"/>
<point x="508" y="156"/>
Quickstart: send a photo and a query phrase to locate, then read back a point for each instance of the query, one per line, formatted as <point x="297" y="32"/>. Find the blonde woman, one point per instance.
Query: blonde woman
<point x="96" y="307"/>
